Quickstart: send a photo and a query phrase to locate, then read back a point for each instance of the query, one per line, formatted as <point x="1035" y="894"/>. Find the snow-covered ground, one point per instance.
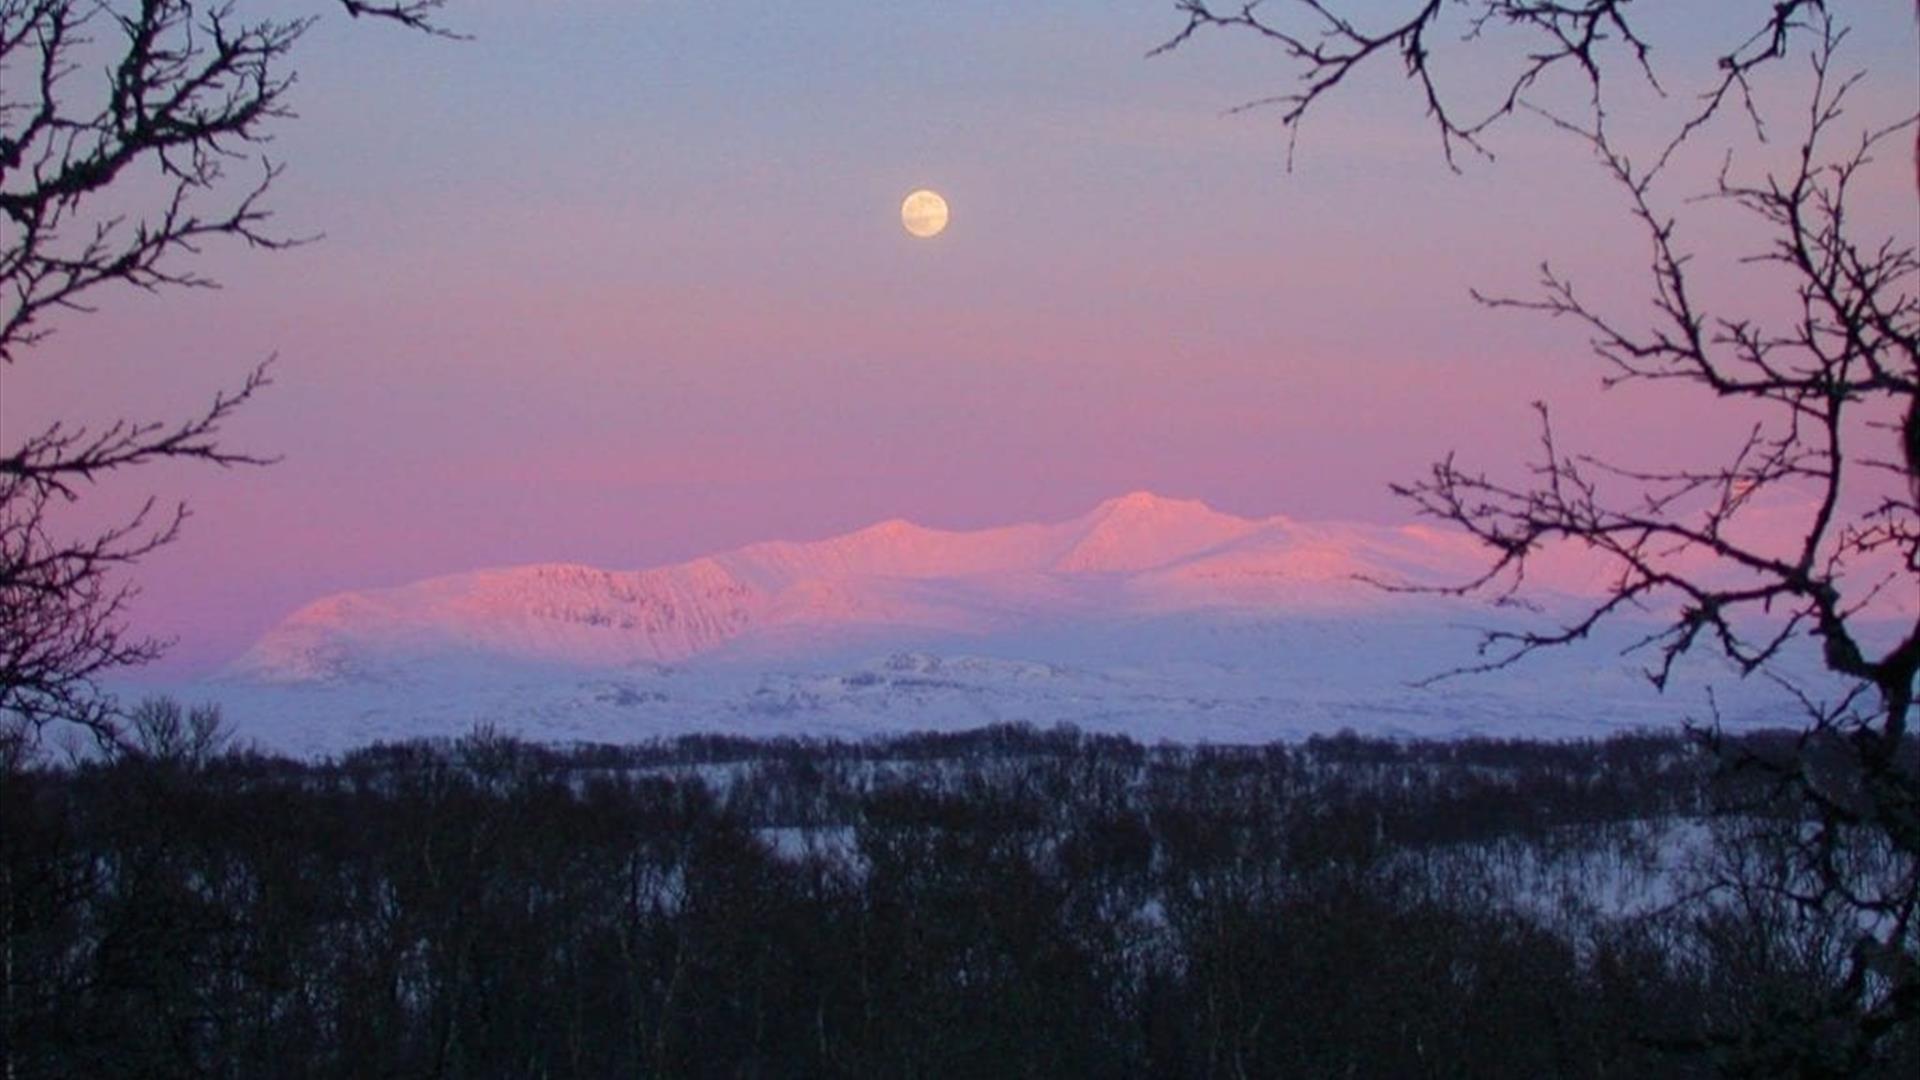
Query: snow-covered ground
<point x="1227" y="682"/>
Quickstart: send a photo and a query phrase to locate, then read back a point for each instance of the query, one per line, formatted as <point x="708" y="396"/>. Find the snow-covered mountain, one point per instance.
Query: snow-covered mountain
<point x="1152" y="616"/>
<point x="1133" y="556"/>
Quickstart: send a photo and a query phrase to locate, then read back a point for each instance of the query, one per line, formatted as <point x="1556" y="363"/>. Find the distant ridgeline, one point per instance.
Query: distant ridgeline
<point x="1000" y="902"/>
<point x="1135" y="555"/>
<point x="1152" y="617"/>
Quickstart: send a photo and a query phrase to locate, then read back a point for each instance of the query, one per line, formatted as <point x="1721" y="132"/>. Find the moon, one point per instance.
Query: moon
<point x="924" y="213"/>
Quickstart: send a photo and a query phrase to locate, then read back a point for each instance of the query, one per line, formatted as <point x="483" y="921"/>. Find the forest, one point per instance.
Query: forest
<point x="1009" y="901"/>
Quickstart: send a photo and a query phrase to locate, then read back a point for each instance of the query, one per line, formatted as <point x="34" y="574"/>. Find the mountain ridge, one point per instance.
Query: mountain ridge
<point x="1133" y="555"/>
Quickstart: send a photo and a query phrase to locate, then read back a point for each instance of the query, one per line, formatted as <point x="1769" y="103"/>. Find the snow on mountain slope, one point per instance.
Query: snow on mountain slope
<point x="1292" y="566"/>
<point x="1139" y="552"/>
<point x="552" y="613"/>
<point x="1155" y="617"/>
<point x="1190" y="677"/>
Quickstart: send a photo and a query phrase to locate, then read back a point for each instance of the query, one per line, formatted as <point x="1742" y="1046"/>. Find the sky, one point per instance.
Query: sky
<point x="623" y="283"/>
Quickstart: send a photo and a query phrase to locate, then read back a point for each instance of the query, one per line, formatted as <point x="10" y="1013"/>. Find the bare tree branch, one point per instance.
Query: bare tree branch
<point x="118" y="176"/>
<point x="1325" y="46"/>
<point x="1832" y="371"/>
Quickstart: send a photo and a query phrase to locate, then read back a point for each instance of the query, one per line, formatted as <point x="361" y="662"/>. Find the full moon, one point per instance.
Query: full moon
<point x="924" y="213"/>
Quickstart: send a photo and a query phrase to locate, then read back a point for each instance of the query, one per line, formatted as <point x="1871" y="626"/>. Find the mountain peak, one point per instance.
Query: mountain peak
<point x="1144" y="501"/>
<point x="895" y="526"/>
<point x="1140" y="530"/>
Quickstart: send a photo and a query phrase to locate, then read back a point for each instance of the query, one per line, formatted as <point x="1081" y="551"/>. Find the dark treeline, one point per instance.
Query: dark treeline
<point x="1003" y="902"/>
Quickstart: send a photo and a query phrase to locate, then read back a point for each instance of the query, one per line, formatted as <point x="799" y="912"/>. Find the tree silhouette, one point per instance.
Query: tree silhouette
<point x="188" y="93"/>
<point x="1831" y="384"/>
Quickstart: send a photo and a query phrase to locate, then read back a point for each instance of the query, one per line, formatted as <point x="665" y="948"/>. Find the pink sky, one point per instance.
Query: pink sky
<point x="625" y="283"/>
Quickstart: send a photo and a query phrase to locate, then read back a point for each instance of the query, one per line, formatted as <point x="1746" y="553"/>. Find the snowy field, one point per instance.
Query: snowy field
<point x="1189" y="679"/>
